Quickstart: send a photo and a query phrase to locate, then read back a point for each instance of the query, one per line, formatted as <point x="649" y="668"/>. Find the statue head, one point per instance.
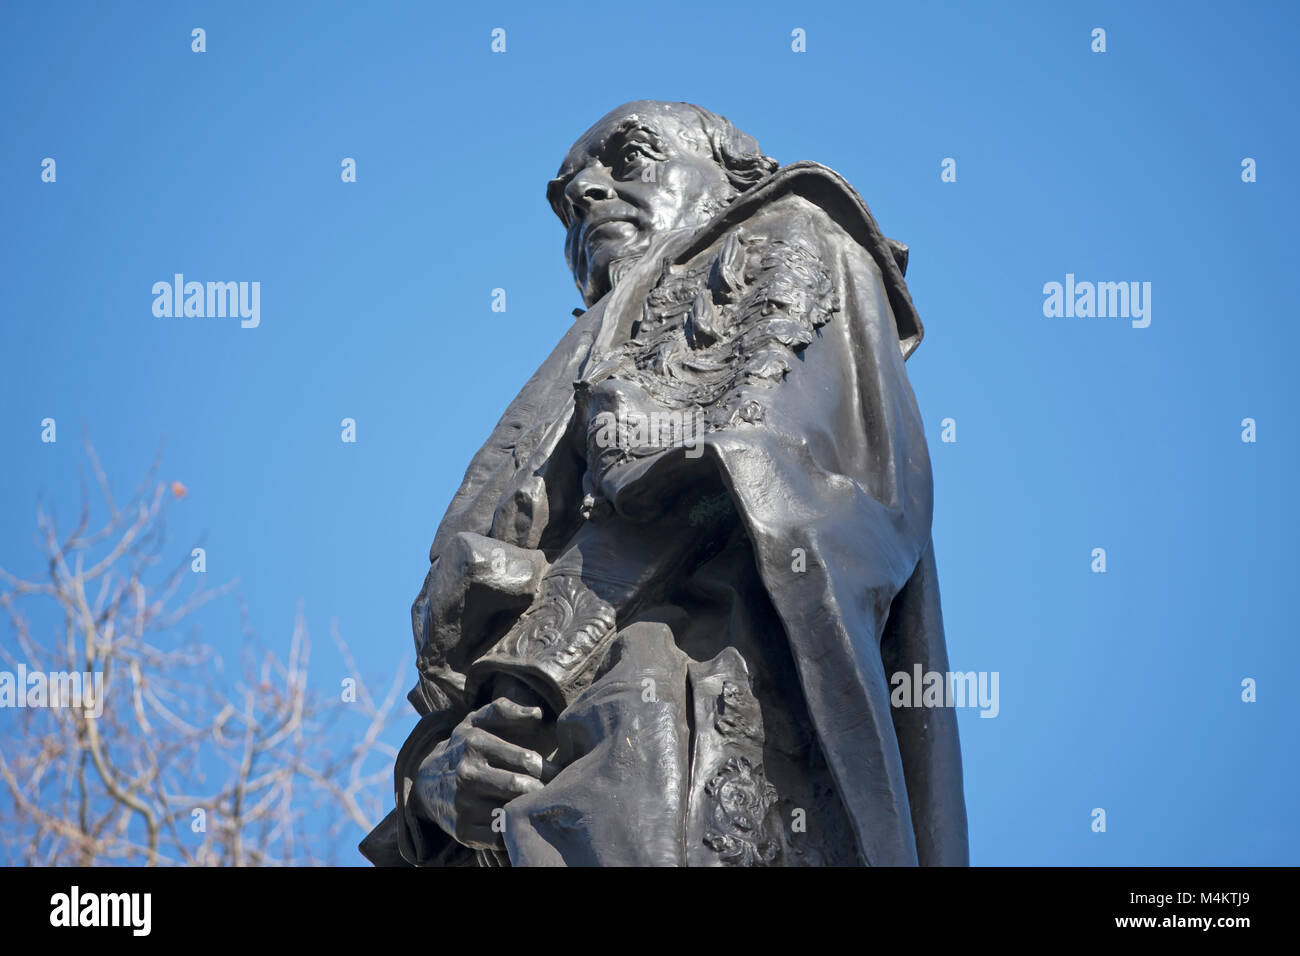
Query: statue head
<point x="645" y="168"/>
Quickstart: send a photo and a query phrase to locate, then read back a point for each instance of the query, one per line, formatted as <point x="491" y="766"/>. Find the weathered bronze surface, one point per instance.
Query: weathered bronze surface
<point x="663" y="607"/>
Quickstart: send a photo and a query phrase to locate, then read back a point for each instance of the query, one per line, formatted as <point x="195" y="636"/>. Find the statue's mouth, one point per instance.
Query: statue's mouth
<point x="596" y="242"/>
<point x="608" y="236"/>
<point x="600" y="223"/>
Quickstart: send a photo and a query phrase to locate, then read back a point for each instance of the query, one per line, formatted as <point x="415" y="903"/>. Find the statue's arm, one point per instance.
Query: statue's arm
<point x="476" y="587"/>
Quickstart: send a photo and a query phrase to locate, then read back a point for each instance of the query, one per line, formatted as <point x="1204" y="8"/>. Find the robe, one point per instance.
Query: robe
<point x="814" y="435"/>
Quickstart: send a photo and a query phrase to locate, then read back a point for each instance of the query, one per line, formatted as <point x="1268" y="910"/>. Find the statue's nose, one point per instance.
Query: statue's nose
<point x="585" y="190"/>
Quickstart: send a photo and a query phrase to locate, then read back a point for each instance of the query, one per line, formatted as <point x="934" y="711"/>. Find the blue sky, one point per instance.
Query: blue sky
<point x="1118" y="690"/>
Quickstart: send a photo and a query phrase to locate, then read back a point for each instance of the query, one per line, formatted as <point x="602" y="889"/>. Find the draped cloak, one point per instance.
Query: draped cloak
<point x="835" y="470"/>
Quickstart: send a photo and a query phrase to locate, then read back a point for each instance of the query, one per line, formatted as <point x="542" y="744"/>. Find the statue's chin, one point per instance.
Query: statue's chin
<point x="610" y="275"/>
<point x="608" y="244"/>
<point x="596" y="286"/>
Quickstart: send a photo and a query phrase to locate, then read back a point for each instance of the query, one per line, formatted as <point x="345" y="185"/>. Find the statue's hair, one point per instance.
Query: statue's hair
<point x="735" y="151"/>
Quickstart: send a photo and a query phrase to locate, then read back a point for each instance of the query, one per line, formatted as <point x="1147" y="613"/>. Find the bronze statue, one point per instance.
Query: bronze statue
<point x="663" y="606"/>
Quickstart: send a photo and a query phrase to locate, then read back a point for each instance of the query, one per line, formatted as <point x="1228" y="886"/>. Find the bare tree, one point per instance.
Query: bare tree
<point x="183" y="765"/>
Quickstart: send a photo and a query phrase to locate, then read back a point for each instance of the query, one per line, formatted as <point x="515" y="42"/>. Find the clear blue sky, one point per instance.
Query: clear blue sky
<point x="1118" y="690"/>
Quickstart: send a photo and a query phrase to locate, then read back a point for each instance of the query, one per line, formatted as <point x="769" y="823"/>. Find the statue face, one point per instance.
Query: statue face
<point x="646" y="168"/>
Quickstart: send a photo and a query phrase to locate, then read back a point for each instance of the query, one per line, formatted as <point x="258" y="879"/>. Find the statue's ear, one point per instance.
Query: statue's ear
<point x="899" y="249"/>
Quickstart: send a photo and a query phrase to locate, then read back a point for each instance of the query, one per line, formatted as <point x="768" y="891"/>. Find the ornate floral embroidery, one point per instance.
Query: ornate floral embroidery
<point x="709" y="332"/>
<point x="565" y="625"/>
<point x="737" y="823"/>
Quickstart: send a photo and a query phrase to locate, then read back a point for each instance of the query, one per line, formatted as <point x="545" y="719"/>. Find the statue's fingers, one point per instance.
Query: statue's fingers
<point x="505" y="715"/>
<point x="499" y="784"/>
<point x="507" y="756"/>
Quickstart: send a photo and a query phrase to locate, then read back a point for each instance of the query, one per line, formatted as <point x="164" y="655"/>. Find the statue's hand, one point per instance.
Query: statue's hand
<point x="475" y="772"/>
